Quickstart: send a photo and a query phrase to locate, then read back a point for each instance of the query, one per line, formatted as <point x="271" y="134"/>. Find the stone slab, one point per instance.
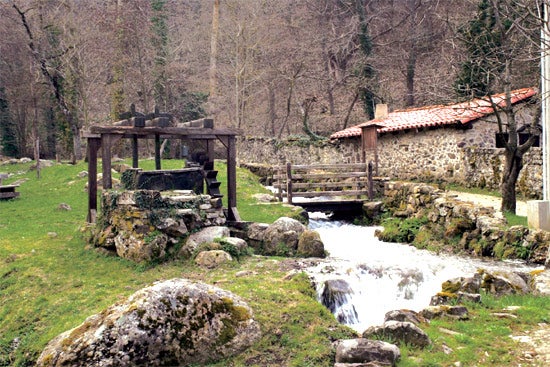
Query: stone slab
<point x="538" y="214"/>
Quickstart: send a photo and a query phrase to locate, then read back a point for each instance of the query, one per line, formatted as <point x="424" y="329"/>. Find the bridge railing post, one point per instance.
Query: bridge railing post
<point x="289" y="183"/>
<point x="370" y="181"/>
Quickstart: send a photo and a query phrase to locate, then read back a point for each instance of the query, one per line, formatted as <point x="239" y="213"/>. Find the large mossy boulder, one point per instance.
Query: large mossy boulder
<point x="212" y="259"/>
<point x="205" y="235"/>
<point x="282" y="236"/>
<point x="171" y="323"/>
<point x="310" y="245"/>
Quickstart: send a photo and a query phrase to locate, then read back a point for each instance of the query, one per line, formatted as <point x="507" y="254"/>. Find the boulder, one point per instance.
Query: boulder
<point x="173" y="322"/>
<point x="455" y="312"/>
<point x="310" y="245"/>
<point x="405" y="316"/>
<point x="503" y="283"/>
<point x="336" y="293"/>
<point x="364" y="351"/>
<point x="541" y="282"/>
<point x="463" y="284"/>
<point x="141" y="249"/>
<point x="205" y="235"/>
<point x="468" y="297"/>
<point x="281" y="237"/>
<point x="402" y="332"/>
<point x="373" y="209"/>
<point x="172" y="227"/>
<point x="212" y="259"/>
<point x="443" y="298"/>
<point x="255" y="234"/>
<point x="236" y="247"/>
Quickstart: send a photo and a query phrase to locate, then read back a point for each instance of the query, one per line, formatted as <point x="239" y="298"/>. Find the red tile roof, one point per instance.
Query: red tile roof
<point x="439" y="115"/>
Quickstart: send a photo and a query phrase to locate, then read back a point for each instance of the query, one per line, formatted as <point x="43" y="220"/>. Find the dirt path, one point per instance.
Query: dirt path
<point x="489" y="201"/>
<point x="537" y="346"/>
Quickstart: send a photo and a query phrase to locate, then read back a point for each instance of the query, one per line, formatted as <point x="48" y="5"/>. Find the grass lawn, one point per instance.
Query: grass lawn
<point x="50" y="281"/>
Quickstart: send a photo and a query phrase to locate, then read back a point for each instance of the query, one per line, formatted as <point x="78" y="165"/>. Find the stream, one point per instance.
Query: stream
<point x="373" y="277"/>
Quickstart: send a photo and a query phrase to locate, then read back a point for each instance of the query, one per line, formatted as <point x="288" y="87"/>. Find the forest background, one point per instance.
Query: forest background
<point x="265" y="67"/>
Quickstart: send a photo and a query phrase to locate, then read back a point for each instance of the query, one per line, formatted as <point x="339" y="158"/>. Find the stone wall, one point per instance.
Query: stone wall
<point x="272" y="151"/>
<point x="446" y="154"/>
<point x="463" y="226"/>
<point x="148" y="225"/>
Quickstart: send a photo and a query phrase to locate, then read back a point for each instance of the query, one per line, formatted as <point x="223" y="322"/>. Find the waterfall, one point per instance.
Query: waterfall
<point x="363" y="278"/>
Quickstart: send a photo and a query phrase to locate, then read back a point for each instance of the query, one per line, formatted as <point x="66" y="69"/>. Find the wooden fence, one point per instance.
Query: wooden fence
<point x="340" y="182"/>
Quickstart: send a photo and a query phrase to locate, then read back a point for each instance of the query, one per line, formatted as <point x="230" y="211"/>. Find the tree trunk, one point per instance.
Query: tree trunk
<point x="214" y="47"/>
<point x="272" y="108"/>
<point x="513" y="165"/>
<point x="411" y="69"/>
<point x="77" y="143"/>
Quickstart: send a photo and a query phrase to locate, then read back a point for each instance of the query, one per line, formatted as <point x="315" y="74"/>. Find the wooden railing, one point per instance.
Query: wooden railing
<point x="317" y="180"/>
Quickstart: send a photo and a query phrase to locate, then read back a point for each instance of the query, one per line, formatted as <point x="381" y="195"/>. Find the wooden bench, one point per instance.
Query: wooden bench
<point x="7" y="191"/>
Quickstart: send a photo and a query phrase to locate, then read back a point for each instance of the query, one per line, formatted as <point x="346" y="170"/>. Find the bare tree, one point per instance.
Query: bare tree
<point x="50" y="66"/>
<point x="508" y="34"/>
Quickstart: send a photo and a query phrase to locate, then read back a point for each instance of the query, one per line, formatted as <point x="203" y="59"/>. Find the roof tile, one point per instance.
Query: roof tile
<point x="438" y="115"/>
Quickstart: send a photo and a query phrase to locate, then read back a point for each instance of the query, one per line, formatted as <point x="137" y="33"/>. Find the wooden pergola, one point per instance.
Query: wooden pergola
<point x="104" y="137"/>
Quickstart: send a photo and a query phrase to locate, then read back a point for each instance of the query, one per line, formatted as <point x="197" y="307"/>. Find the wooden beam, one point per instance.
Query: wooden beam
<point x="289" y="183"/>
<point x="204" y="123"/>
<point x="157" y="152"/>
<point x="338" y="166"/>
<point x="314" y="194"/>
<point x="151" y="130"/>
<point x="210" y="150"/>
<point x="232" y="179"/>
<point x="135" y="152"/>
<point x="106" y="161"/>
<point x="93" y="147"/>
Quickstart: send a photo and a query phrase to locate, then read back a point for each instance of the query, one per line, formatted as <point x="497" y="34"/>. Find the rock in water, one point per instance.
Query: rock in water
<point x="310" y="245"/>
<point x="173" y="322"/>
<point x="335" y="297"/>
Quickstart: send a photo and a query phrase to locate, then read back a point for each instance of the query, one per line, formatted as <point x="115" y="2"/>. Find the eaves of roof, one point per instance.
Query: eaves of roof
<point x="439" y="115"/>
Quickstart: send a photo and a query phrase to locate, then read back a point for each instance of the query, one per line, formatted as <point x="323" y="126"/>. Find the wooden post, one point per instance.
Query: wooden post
<point x="279" y="183"/>
<point x="135" y="152"/>
<point x="157" y="151"/>
<point x="289" y="183"/>
<point x="93" y="147"/>
<point x="232" y="179"/>
<point x="369" y="142"/>
<point x="106" y="161"/>
<point x="370" y="181"/>
<point x="210" y="150"/>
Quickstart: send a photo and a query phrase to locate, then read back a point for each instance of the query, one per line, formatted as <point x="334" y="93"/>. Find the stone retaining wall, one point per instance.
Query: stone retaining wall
<point x="479" y="230"/>
<point x="466" y="157"/>
<point x="148" y="225"/>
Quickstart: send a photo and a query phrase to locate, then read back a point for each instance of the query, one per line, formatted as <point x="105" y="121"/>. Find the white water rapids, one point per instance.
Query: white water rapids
<point x="385" y="276"/>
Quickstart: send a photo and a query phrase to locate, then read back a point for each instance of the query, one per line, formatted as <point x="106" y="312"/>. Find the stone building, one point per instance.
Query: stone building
<point x="450" y="143"/>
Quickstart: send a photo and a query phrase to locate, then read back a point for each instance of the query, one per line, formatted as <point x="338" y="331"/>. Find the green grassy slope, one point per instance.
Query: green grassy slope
<point x="50" y="282"/>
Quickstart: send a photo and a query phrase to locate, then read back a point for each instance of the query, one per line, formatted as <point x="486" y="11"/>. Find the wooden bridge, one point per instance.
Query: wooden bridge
<point x="325" y="187"/>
